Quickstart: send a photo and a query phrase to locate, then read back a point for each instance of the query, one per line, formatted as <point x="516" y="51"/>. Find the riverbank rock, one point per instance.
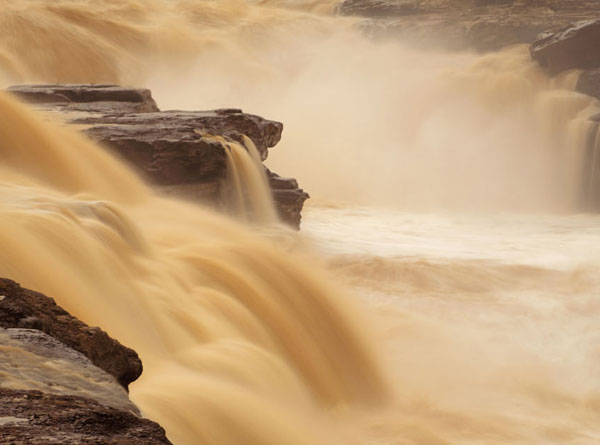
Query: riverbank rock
<point x="481" y="25"/>
<point x="24" y="308"/>
<point x="174" y="150"/>
<point x="576" y="46"/>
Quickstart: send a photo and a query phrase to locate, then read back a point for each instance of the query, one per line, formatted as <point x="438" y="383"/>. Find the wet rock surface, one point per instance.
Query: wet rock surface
<point x="288" y="196"/>
<point x="34" y="417"/>
<point x="27" y="309"/>
<point x="32" y="360"/>
<point x="61" y="381"/>
<point x="576" y="46"/>
<point x="482" y="25"/>
<point x="175" y="150"/>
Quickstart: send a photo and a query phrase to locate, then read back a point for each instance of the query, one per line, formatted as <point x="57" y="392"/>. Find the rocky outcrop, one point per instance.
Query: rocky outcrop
<point x="288" y="196"/>
<point x="23" y="308"/>
<point x="176" y="150"/>
<point x="184" y="127"/>
<point x="34" y="417"/>
<point x="177" y="147"/>
<point x="589" y="83"/>
<point x="62" y="381"/>
<point x="482" y="25"/>
<point x="574" y="46"/>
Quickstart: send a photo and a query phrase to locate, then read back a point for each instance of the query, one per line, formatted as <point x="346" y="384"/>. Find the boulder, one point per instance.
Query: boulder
<point x="589" y="83"/>
<point x="575" y="46"/>
<point x="23" y="308"/>
<point x="38" y="418"/>
<point x="174" y="150"/>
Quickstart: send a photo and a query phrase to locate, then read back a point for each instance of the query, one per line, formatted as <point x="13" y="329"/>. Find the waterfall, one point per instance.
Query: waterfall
<point x="591" y="176"/>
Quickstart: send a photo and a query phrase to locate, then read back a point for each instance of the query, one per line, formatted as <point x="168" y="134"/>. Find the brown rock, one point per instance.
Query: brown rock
<point x="483" y="25"/>
<point x="36" y="418"/>
<point x="576" y="46"/>
<point x="172" y="149"/>
<point x="162" y="132"/>
<point x="21" y="307"/>
<point x="589" y="83"/>
<point x="32" y="360"/>
<point x="289" y="198"/>
<point x="89" y="98"/>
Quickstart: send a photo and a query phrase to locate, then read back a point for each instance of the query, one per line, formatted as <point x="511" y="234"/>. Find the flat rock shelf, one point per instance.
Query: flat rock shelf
<point x="175" y="150"/>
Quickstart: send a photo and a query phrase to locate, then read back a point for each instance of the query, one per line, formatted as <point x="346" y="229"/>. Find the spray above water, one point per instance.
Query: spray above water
<point x="366" y="122"/>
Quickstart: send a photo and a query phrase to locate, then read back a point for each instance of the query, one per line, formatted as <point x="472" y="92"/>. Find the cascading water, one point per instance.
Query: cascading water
<point x="248" y="192"/>
<point x="591" y="181"/>
<point x="484" y="301"/>
<point x="227" y="325"/>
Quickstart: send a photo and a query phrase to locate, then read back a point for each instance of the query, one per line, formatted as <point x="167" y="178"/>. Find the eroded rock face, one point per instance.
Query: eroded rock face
<point x="576" y="46"/>
<point x="184" y="126"/>
<point x="482" y="25"/>
<point x="34" y="417"/>
<point x="23" y="308"/>
<point x="288" y="196"/>
<point x="175" y="150"/>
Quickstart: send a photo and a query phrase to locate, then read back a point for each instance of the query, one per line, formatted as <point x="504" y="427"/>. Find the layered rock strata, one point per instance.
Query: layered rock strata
<point x="175" y="150"/>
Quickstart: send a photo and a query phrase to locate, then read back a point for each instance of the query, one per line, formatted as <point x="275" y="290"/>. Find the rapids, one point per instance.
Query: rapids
<point x="443" y="289"/>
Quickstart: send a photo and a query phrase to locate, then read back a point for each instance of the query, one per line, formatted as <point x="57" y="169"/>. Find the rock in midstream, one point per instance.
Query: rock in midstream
<point x="172" y="149"/>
